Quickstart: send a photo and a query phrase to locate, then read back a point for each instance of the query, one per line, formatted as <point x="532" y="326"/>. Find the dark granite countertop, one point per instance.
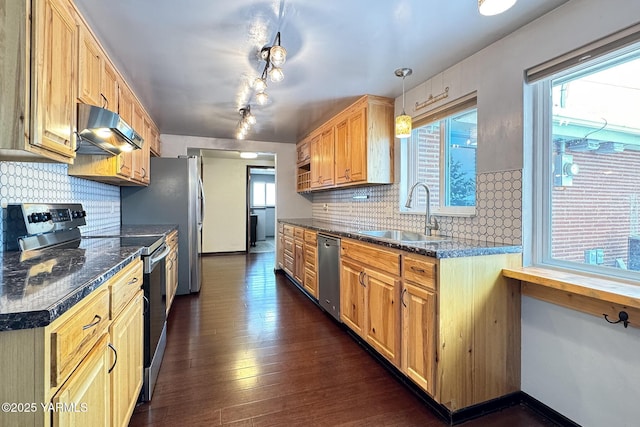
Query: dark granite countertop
<point x="37" y="287"/>
<point x="133" y="230"/>
<point x="454" y="248"/>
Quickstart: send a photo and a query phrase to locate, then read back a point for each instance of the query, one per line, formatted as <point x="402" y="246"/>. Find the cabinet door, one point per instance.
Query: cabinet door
<point x="126" y="377"/>
<point x="352" y="296"/>
<point x="54" y="74"/>
<point x="316" y="160"/>
<point x="358" y="146"/>
<point x="86" y="392"/>
<point x="328" y="150"/>
<point x="343" y="152"/>
<point x="125" y="109"/>
<point x="137" y="156"/>
<point x="419" y="335"/>
<point x="382" y="319"/>
<point x="90" y="68"/>
<point x="298" y="256"/>
<point x="109" y="87"/>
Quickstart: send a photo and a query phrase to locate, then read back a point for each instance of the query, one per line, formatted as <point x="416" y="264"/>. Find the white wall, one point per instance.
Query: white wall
<point x="225" y="189"/>
<point x="289" y="204"/>
<point x="575" y="363"/>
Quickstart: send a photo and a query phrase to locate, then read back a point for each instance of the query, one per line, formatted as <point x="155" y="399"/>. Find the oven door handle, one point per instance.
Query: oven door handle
<point x="155" y="258"/>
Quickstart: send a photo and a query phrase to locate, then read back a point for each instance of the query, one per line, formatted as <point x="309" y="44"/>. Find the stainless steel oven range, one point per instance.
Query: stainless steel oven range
<point x="34" y="226"/>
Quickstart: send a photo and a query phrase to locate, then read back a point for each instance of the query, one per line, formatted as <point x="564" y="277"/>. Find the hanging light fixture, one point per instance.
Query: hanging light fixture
<point x="246" y="121"/>
<point x="274" y="56"/>
<point x="403" y="121"/>
<point x="494" y="7"/>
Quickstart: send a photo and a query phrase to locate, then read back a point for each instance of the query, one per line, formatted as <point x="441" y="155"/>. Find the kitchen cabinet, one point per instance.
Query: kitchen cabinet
<point x="90" y="68"/>
<point x="322" y="157"/>
<point x="140" y="159"/>
<point x="154" y="139"/>
<point x="126" y="335"/>
<point x="370" y="295"/>
<point x="38" y="104"/>
<point x="69" y="361"/>
<point x="303" y="177"/>
<point x="280" y="246"/>
<point x="310" y="281"/>
<point x="87" y="392"/>
<point x="298" y="254"/>
<point x="419" y="329"/>
<point x="172" y="268"/>
<point x="288" y="249"/>
<point x="355" y="147"/>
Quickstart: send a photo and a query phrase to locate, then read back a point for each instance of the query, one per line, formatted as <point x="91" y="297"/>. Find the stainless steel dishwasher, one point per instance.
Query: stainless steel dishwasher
<point x="329" y="274"/>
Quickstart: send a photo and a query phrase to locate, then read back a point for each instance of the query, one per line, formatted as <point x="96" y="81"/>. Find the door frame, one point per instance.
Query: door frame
<point x="247" y="243"/>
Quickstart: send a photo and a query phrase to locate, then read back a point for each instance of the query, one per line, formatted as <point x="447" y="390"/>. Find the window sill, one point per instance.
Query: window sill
<point x="580" y="292"/>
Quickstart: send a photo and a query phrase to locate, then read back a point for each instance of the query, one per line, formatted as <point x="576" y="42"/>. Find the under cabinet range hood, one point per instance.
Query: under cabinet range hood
<point x="103" y="132"/>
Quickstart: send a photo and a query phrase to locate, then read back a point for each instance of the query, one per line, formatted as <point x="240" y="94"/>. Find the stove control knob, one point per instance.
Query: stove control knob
<point x="46" y="216"/>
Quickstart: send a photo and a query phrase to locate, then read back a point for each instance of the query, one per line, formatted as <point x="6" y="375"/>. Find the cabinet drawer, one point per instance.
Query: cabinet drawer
<point x="310" y="255"/>
<point x="298" y="233"/>
<point x="420" y="270"/>
<point x="311" y="238"/>
<point x="288" y="264"/>
<point x="288" y="230"/>
<point x="72" y="340"/>
<point x="124" y="285"/>
<point x="280" y="227"/>
<point x="371" y="256"/>
<point x="288" y="246"/>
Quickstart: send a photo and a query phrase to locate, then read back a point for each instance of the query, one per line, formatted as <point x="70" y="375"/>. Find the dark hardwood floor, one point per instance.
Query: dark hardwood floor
<point x="252" y="350"/>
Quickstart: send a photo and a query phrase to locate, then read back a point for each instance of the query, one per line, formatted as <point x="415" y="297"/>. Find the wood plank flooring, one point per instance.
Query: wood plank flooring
<point x="251" y="350"/>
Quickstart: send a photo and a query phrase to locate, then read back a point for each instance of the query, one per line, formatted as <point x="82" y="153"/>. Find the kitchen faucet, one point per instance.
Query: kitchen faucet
<point x="430" y="222"/>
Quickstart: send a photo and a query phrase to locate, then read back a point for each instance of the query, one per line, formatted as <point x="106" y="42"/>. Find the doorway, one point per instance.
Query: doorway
<point x="261" y="209"/>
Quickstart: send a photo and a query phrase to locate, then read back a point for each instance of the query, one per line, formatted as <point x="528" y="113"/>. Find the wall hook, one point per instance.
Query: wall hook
<point x="623" y="317"/>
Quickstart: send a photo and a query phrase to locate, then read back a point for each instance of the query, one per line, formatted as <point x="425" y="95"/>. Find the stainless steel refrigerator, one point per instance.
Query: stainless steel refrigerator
<point x="174" y="196"/>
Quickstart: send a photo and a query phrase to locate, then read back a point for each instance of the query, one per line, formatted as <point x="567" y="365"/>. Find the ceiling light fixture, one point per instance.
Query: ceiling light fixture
<point x="274" y="56"/>
<point x="246" y="121"/>
<point x="494" y="7"/>
<point x="403" y="121"/>
<point x="248" y="155"/>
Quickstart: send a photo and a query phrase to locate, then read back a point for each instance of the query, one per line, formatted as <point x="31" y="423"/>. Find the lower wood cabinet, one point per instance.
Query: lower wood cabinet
<point x="310" y="282"/>
<point x="369" y="298"/>
<point x="85" y="368"/>
<point x="171" y="268"/>
<point x="126" y="336"/>
<point x="419" y="335"/>
<point x="86" y="394"/>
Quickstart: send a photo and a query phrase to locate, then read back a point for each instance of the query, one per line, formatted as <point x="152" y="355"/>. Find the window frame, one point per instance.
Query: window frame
<point x="540" y="87"/>
<point x="408" y="164"/>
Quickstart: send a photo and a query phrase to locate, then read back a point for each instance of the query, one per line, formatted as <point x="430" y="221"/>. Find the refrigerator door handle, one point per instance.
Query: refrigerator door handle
<point x="202" y="204"/>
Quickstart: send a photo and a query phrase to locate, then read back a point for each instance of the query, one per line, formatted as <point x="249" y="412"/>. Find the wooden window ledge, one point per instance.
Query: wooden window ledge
<point x="588" y="294"/>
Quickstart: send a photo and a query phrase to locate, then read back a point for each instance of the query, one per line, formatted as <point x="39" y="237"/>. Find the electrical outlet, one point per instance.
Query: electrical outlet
<point x="325" y="207"/>
<point x="388" y="211"/>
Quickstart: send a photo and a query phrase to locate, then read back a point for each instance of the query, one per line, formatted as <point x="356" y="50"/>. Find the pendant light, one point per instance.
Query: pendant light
<point x="403" y="121"/>
<point x="494" y="7"/>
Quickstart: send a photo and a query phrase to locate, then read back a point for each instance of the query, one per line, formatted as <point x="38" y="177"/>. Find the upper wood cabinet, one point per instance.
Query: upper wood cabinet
<point x="38" y="80"/>
<point x="90" y="68"/>
<point x="355" y="147"/>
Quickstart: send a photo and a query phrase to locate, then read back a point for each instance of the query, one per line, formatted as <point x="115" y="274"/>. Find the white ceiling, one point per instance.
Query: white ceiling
<point x="191" y="61"/>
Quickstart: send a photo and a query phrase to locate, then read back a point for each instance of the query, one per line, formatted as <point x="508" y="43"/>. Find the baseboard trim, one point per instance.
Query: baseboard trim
<point x="541" y="409"/>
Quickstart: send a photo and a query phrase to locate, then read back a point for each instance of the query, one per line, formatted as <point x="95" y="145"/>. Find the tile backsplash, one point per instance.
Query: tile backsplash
<point x="498" y="209"/>
<point x="48" y="182"/>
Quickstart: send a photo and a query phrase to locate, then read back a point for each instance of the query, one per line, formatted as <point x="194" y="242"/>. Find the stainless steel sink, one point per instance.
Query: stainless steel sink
<point x="403" y="236"/>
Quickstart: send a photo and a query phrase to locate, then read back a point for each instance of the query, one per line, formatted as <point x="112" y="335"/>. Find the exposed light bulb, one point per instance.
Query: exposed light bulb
<point x="262" y="98"/>
<point x="277" y="56"/>
<point x="276" y="74"/>
<point x="251" y="119"/>
<point x="259" y="84"/>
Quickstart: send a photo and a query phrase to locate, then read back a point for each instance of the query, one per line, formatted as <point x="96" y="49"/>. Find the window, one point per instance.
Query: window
<point x="441" y="152"/>
<point x="263" y="194"/>
<point x="587" y="145"/>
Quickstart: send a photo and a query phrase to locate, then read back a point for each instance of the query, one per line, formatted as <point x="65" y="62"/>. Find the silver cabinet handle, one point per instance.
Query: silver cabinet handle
<point x="92" y="324"/>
